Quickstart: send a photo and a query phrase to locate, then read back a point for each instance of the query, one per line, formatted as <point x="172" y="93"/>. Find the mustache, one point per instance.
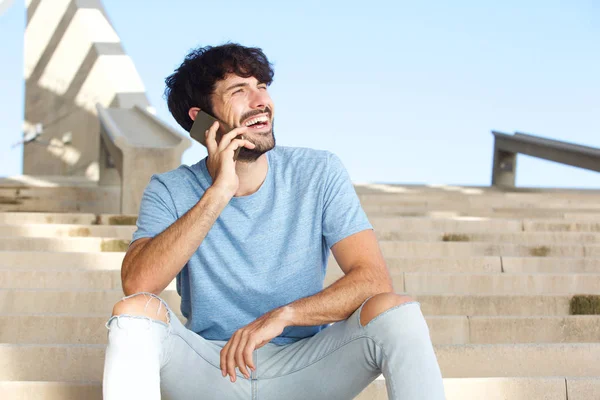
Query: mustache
<point x="252" y="113"/>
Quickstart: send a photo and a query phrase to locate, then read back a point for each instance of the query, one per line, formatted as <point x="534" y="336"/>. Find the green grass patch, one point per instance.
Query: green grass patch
<point x="585" y="304"/>
<point x="122" y="220"/>
<point x="541" y="251"/>
<point x="455" y="237"/>
<point x="115" y="245"/>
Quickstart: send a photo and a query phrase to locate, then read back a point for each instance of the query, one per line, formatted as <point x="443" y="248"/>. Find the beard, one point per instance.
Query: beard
<point x="263" y="141"/>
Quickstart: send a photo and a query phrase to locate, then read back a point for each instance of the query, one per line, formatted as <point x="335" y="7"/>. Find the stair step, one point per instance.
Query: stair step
<point x="67" y="230"/>
<point x="24" y="390"/>
<point x="102" y="301"/>
<point x="522" y="238"/>
<point x="41" y="260"/>
<point x="388" y="248"/>
<point x="409" y="282"/>
<point x="74" y="279"/>
<point x="514" y="388"/>
<point x="125" y="232"/>
<point x="380" y="223"/>
<point x="74" y="363"/>
<point x="99" y="199"/>
<point x="66" y="218"/>
<point x="88" y="329"/>
<point x="423" y="249"/>
<point x="494" y="283"/>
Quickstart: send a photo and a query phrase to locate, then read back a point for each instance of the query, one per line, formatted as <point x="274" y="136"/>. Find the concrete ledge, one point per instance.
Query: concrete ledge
<point x="140" y="146"/>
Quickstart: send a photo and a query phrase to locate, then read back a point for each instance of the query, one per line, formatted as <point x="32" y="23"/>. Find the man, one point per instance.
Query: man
<point x="248" y="242"/>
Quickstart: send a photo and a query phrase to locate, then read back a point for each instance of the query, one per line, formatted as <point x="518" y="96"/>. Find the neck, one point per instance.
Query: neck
<point x="251" y="175"/>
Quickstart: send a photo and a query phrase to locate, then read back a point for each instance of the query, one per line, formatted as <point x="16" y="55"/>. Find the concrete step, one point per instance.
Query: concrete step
<point x="90" y="329"/>
<point x="465" y="210"/>
<point x="456" y="249"/>
<point x="499" y="360"/>
<point x="66" y="230"/>
<point x="383" y="223"/>
<point x="41" y="260"/>
<point x="79" y="244"/>
<point x="11" y="278"/>
<point x="409" y="282"/>
<point x="475" y="224"/>
<point x="101" y="301"/>
<point x="514" y="388"/>
<point x="102" y="199"/>
<point x="24" y="390"/>
<point x="536" y="283"/>
<point x="72" y="363"/>
<point x="126" y="232"/>
<point x="549" y="265"/>
<point x="568" y="225"/>
<point x="17" y="218"/>
<point x="523" y="238"/>
<point x="389" y="248"/>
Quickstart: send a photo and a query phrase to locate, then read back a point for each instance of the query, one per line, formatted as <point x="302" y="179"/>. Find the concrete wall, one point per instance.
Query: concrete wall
<point x="73" y="60"/>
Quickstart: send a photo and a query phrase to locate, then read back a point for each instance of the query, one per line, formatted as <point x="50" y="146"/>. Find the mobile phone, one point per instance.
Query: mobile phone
<point x="201" y="124"/>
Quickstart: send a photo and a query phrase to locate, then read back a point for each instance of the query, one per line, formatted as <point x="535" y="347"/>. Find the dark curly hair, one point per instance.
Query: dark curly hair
<point x="194" y="81"/>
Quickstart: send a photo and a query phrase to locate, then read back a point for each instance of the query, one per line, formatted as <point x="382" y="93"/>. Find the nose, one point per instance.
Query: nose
<point x="258" y="99"/>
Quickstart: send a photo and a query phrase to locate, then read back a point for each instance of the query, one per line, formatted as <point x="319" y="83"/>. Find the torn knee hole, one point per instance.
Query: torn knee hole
<point x="143" y="304"/>
<point x="379" y="304"/>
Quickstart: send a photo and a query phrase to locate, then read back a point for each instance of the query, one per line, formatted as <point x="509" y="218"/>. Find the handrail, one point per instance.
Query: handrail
<point x="506" y="148"/>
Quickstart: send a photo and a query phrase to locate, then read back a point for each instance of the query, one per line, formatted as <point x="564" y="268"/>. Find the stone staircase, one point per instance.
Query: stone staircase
<point x="506" y="281"/>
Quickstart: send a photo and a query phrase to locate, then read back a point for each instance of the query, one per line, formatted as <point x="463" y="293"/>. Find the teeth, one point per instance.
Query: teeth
<point x="255" y="120"/>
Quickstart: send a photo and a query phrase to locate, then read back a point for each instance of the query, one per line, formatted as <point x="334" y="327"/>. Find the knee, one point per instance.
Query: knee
<point x="380" y="303"/>
<point x="143" y="304"/>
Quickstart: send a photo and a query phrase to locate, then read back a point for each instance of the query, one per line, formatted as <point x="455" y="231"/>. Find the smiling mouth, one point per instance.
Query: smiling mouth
<point x="259" y="122"/>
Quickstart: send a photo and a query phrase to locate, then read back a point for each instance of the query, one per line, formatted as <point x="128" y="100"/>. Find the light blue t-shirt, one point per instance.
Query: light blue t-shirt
<point x="265" y="250"/>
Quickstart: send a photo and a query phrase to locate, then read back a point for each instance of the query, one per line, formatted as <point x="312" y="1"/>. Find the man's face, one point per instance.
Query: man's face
<point x="239" y="102"/>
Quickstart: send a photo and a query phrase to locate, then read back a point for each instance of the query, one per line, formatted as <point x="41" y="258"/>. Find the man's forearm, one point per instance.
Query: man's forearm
<point x="159" y="260"/>
<point x="338" y="301"/>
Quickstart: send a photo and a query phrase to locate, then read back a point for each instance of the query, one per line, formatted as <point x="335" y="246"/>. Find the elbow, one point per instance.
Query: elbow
<point x="131" y="285"/>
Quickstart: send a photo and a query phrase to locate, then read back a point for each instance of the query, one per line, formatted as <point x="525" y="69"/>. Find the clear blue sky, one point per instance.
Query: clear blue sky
<point x="403" y="92"/>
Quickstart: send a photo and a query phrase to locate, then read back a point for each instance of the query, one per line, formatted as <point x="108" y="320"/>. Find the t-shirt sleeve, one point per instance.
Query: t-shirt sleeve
<point x="342" y="212"/>
<point x="157" y="211"/>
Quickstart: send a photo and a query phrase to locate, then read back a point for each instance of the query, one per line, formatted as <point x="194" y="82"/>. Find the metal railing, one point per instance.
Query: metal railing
<point x="506" y="148"/>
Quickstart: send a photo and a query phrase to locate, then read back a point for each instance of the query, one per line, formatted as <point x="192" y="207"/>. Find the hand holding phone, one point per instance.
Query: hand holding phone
<point x="201" y="124"/>
<point x="223" y="155"/>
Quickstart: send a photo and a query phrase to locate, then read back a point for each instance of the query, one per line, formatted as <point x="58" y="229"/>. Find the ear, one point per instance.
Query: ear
<point x="193" y="112"/>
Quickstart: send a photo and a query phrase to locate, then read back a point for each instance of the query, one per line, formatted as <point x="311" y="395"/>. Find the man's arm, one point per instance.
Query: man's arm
<point x="366" y="274"/>
<point x="153" y="263"/>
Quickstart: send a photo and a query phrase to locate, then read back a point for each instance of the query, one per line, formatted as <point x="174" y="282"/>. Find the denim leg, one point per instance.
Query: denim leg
<point x="407" y="360"/>
<point x="133" y="356"/>
<point x="342" y="360"/>
<point x="151" y="359"/>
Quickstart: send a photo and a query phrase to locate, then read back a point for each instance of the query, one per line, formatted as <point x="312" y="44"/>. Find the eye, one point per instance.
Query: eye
<point x="262" y="86"/>
<point x="238" y="91"/>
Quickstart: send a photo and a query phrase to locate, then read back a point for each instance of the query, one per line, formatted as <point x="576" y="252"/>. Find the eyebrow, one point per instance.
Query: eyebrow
<point x="236" y="85"/>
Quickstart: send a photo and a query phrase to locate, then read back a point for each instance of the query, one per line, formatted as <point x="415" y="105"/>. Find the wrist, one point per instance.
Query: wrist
<point x="286" y="314"/>
<point x="222" y="192"/>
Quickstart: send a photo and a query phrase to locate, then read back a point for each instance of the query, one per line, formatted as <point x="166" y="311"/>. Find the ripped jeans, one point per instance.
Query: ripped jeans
<point x="150" y="359"/>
